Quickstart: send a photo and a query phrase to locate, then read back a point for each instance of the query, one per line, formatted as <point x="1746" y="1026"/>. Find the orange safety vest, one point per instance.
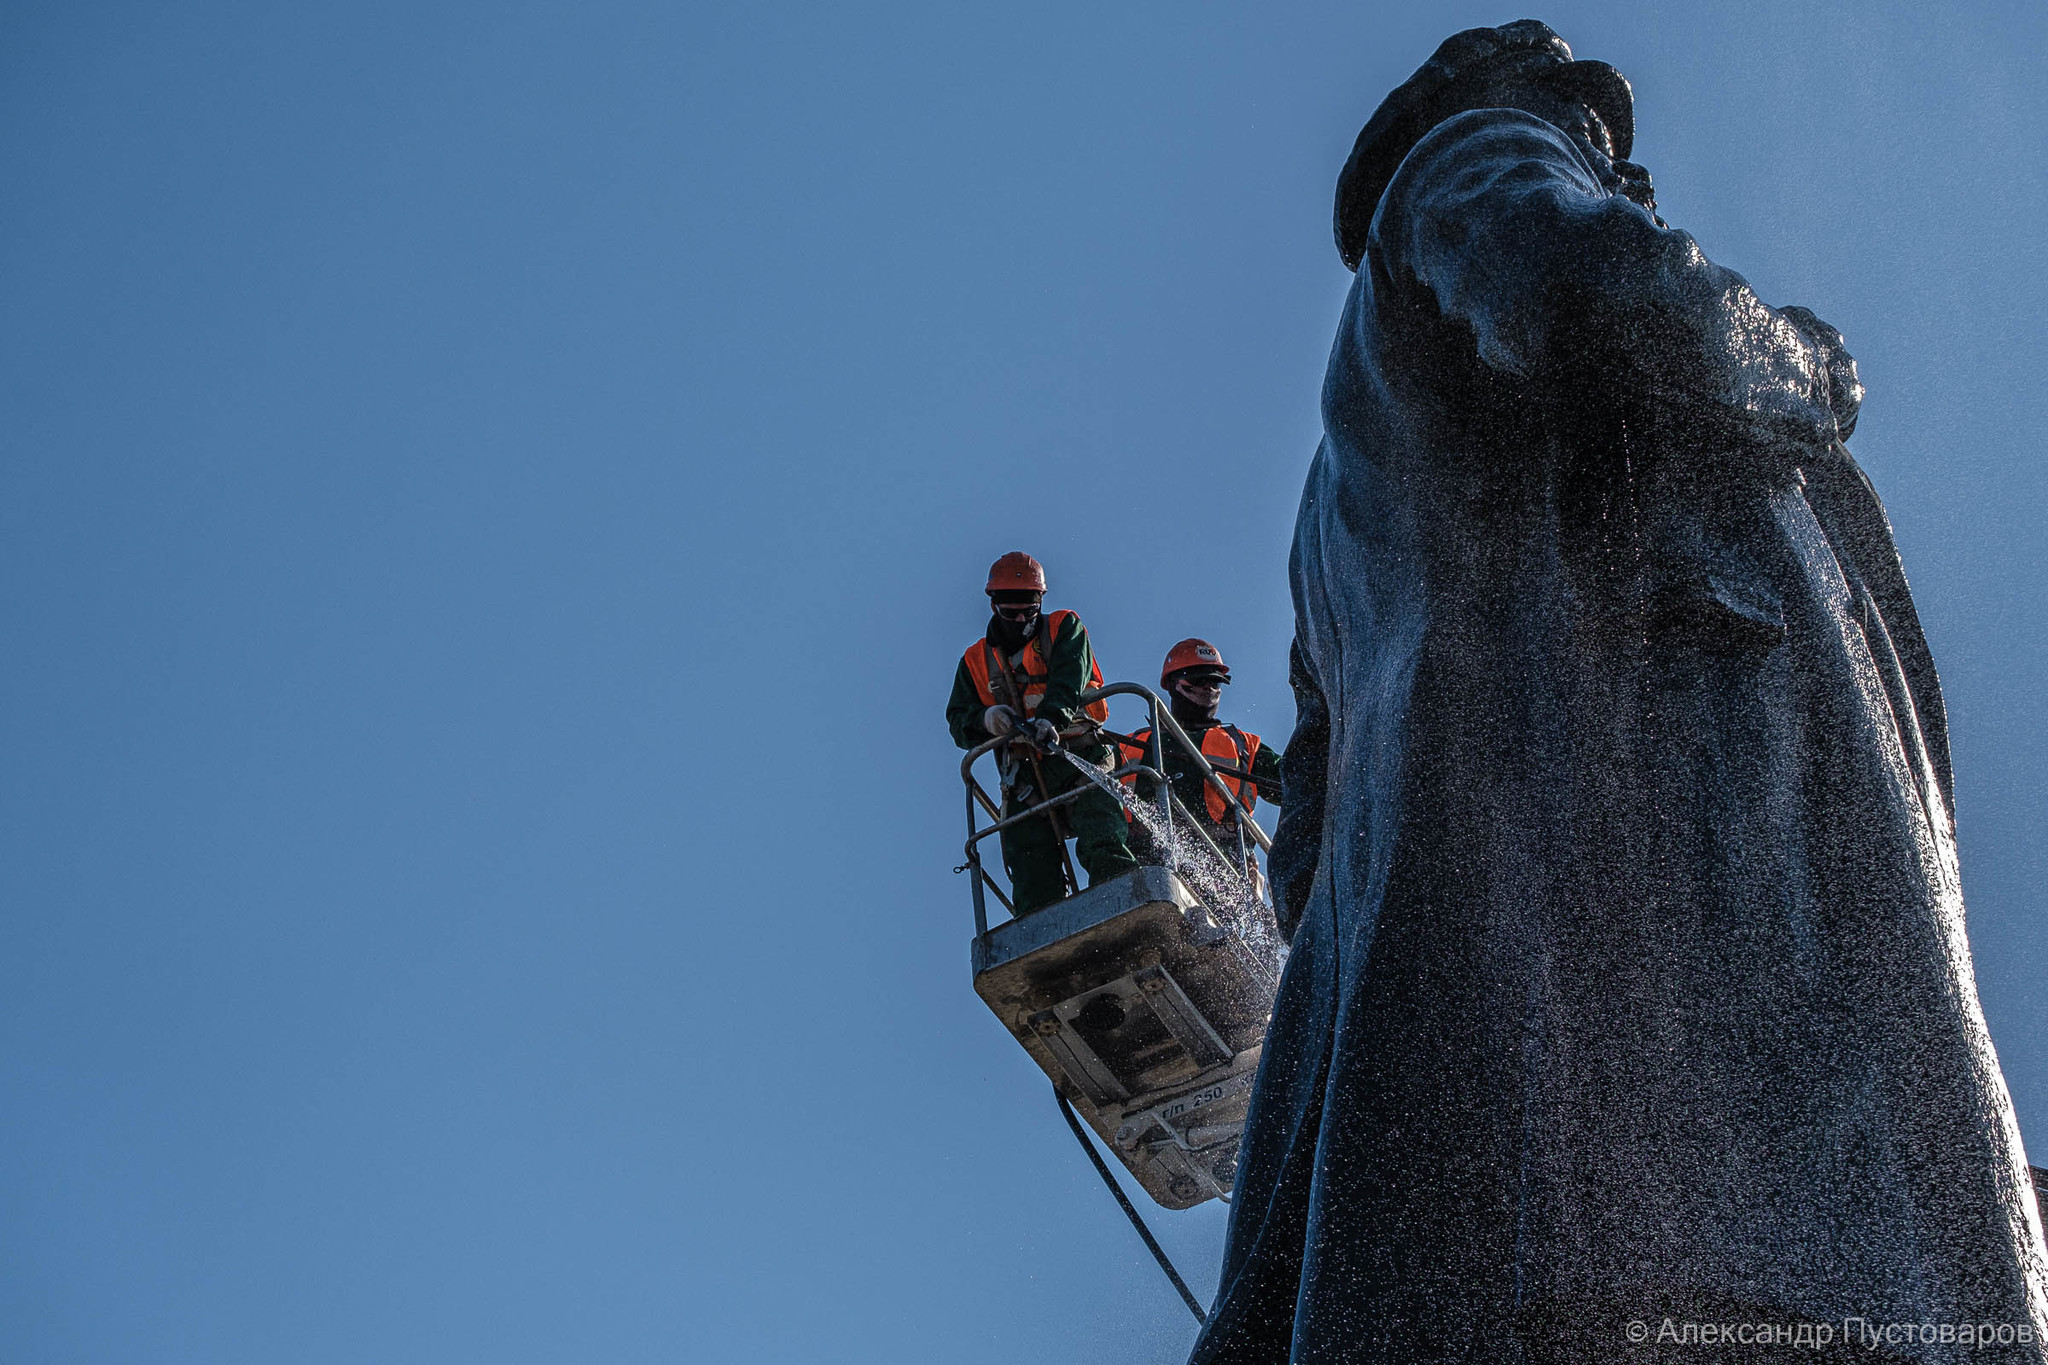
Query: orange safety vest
<point x="1028" y="677"/>
<point x="1220" y="744"/>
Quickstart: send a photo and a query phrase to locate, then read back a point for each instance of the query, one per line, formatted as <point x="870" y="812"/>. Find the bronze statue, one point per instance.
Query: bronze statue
<point x="1628" y="979"/>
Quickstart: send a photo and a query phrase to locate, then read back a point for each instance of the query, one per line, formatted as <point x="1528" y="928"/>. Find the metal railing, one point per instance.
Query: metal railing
<point x="1163" y="728"/>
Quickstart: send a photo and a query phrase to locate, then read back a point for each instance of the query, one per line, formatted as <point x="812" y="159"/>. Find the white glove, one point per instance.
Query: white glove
<point x="1043" y="733"/>
<point x="999" y="720"/>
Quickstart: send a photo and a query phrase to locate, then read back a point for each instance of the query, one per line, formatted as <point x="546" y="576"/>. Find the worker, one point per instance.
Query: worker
<point x="1193" y="677"/>
<point x="1024" y="679"/>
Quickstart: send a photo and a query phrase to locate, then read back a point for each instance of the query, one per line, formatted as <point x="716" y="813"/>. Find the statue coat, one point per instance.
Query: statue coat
<point x="1628" y="975"/>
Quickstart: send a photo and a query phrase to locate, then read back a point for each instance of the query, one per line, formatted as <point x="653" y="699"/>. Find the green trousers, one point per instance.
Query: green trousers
<point x="1031" y="849"/>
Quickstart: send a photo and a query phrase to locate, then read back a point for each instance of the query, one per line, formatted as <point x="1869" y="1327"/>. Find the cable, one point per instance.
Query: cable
<point x="1159" y="1255"/>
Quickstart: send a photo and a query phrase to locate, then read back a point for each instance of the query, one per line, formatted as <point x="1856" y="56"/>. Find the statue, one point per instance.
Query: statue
<point x="1628" y="986"/>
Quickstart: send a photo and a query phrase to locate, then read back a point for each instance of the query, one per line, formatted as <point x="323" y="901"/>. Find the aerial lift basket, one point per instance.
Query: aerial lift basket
<point x="1144" y="1000"/>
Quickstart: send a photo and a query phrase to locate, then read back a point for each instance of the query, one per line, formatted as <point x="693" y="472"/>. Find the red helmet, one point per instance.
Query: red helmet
<point x="1193" y="654"/>
<point x="1016" y="572"/>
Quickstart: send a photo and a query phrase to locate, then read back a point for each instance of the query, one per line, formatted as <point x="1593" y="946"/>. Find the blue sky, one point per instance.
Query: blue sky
<point x="493" y="499"/>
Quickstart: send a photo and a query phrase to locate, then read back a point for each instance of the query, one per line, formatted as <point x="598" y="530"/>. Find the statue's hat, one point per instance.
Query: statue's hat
<point x="1449" y="83"/>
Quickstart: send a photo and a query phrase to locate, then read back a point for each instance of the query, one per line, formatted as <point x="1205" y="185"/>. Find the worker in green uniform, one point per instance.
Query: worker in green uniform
<point x="1193" y="677"/>
<point x="1024" y="679"/>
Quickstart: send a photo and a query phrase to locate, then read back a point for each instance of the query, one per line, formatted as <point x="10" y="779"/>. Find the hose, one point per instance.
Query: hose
<point x="1123" y="1201"/>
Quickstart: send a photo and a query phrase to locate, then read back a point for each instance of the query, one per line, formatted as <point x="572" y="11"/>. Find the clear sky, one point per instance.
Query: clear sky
<point x="493" y="500"/>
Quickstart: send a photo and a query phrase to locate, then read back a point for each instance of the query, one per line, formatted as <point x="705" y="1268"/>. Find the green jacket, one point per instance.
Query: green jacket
<point x="1072" y="663"/>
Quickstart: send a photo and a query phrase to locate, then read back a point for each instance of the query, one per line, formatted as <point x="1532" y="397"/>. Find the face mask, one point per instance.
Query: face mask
<point x="1010" y="636"/>
<point x="1185" y="709"/>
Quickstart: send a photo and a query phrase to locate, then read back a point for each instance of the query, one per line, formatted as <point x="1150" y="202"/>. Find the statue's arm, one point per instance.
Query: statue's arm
<point x="1853" y="516"/>
<point x="1304" y="772"/>
<point x="1499" y="221"/>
